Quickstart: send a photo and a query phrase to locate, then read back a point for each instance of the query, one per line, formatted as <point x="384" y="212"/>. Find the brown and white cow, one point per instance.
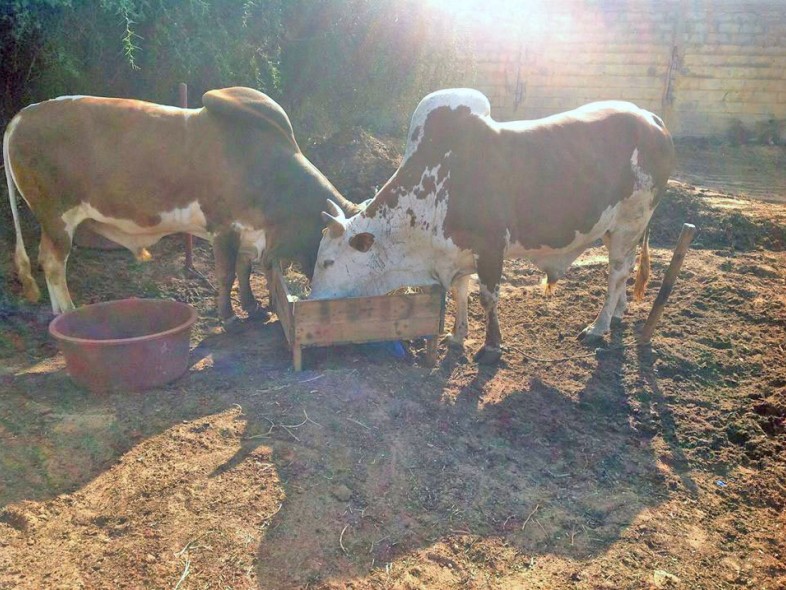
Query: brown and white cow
<point x="471" y="192"/>
<point x="230" y="172"/>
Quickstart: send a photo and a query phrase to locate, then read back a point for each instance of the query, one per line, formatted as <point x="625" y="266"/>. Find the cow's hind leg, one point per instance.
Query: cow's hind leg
<point x="489" y="275"/>
<point x="248" y="302"/>
<point x="53" y="255"/>
<point x="225" y="252"/>
<point x="622" y="250"/>
<point x="460" y="291"/>
<point x="29" y="287"/>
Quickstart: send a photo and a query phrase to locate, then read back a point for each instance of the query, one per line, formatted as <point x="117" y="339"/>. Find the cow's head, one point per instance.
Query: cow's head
<point x="351" y="261"/>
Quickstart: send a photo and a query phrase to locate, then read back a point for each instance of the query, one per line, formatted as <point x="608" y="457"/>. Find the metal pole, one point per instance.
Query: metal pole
<point x="188" y="239"/>
<point x="686" y="236"/>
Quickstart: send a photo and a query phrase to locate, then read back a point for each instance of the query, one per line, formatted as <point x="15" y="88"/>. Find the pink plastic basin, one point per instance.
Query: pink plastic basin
<point x="125" y="344"/>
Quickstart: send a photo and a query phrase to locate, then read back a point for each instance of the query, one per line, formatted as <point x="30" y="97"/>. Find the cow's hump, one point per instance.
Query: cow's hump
<point x="249" y="107"/>
<point x="477" y="103"/>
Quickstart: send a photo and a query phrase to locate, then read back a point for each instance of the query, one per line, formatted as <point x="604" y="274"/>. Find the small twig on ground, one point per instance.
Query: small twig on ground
<point x="310" y="420"/>
<point x="359" y="423"/>
<point x="312" y="379"/>
<point x="537" y="522"/>
<point x="341" y="540"/>
<point x="290" y="433"/>
<point x="377" y="542"/>
<point x="264" y="435"/>
<point x="287" y="427"/>
<point x="204" y="278"/>
<point x="188" y="545"/>
<point x="552" y="474"/>
<point x="526" y="520"/>
<point x="269" y="389"/>
<point x="185" y="573"/>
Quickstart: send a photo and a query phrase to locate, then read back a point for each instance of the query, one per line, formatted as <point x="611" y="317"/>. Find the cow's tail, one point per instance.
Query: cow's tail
<point x="643" y="273"/>
<point x="21" y="259"/>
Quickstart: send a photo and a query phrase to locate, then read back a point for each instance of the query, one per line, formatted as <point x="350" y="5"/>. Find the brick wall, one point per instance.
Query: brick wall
<point x="706" y="66"/>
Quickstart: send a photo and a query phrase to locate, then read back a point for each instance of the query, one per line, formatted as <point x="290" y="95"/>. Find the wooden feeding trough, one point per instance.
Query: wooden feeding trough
<point x="328" y="322"/>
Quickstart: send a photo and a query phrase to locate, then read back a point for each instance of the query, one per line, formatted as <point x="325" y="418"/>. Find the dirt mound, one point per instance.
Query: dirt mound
<point x="356" y="162"/>
<point x="724" y="221"/>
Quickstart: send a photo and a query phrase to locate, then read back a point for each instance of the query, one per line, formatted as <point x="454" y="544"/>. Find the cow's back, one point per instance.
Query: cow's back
<point x="539" y="183"/>
<point x="125" y="157"/>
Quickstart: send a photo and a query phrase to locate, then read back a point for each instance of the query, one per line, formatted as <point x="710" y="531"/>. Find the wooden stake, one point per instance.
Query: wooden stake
<point x="686" y="236"/>
<point x="188" y="239"/>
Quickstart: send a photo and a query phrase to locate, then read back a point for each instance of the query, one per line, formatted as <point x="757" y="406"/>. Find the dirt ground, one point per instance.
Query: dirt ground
<point x="562" y="467"/>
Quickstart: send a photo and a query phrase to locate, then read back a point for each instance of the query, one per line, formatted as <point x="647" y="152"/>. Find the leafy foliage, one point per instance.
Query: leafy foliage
<point x="332" y="63"/>
<point x="138" y="48"/>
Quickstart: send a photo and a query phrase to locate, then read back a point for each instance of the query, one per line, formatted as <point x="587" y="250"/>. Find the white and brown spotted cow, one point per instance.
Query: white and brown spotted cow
<point x="471" y="192"/>
<point x="230" y="172"/>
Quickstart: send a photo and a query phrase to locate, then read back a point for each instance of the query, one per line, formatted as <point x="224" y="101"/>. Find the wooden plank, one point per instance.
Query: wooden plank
<point x="361" y="309"/>
<point x="327" y="333"/>
<point x="284" y="308"/>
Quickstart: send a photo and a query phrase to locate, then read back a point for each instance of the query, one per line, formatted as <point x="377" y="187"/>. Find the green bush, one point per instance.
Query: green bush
<point x="332" y="63"/>
<point x="136" y="48"/>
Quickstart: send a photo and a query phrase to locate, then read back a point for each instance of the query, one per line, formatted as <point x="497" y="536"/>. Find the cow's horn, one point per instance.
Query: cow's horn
<point x="335" y="210"/>
<point x="334" y="225"/>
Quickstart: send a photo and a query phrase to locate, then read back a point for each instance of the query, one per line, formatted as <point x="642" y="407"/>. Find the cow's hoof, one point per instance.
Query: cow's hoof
<point x="588" y="338"/>
<point x="488" y="355"/>
<point x="454" y="342"/>
<point x="232" y="324"/>
<point x="257" y="312"/>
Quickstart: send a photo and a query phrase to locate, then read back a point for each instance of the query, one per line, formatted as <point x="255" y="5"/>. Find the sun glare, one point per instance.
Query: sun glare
<point x="529" y="15"/>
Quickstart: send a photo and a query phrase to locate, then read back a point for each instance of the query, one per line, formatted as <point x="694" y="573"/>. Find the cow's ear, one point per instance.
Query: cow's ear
<point x="362" y="242"/>
<point x="334" y="225"/>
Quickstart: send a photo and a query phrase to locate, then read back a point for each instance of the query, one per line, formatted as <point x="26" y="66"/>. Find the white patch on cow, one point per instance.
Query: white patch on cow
<point x="453" y="98"/>
<point x="410" y="247"/>
<point x="71" y="97"/>
<point x="252" y="241"/>
<point x="9" y="130"/>
<point x="170" y="110"/>
<point x="642" y="179"/>
<point x="556" y="261"/>
<point x="130" y="234"/>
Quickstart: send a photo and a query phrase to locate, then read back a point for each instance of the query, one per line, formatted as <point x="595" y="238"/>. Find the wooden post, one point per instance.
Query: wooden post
<point x="188" y="239"/>
<point x="686" y="236"/>
<point x="297" y="358"/>
<point x="431" y="351"/>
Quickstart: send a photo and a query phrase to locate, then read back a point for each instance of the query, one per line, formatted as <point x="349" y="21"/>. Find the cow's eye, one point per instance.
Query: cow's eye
<point x="327" y="263"/>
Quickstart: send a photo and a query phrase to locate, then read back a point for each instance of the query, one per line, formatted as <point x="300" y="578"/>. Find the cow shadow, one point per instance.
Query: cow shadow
<point x="388" y="465"/>
<point x="531" y="467"/>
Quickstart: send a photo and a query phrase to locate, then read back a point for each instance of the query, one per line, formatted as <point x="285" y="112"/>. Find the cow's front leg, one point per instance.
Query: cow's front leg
<point x="489" y="275"/>
<point x="248" y="302"/>
<point x="225" y="252"/>
<point x="460" y="292"/>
